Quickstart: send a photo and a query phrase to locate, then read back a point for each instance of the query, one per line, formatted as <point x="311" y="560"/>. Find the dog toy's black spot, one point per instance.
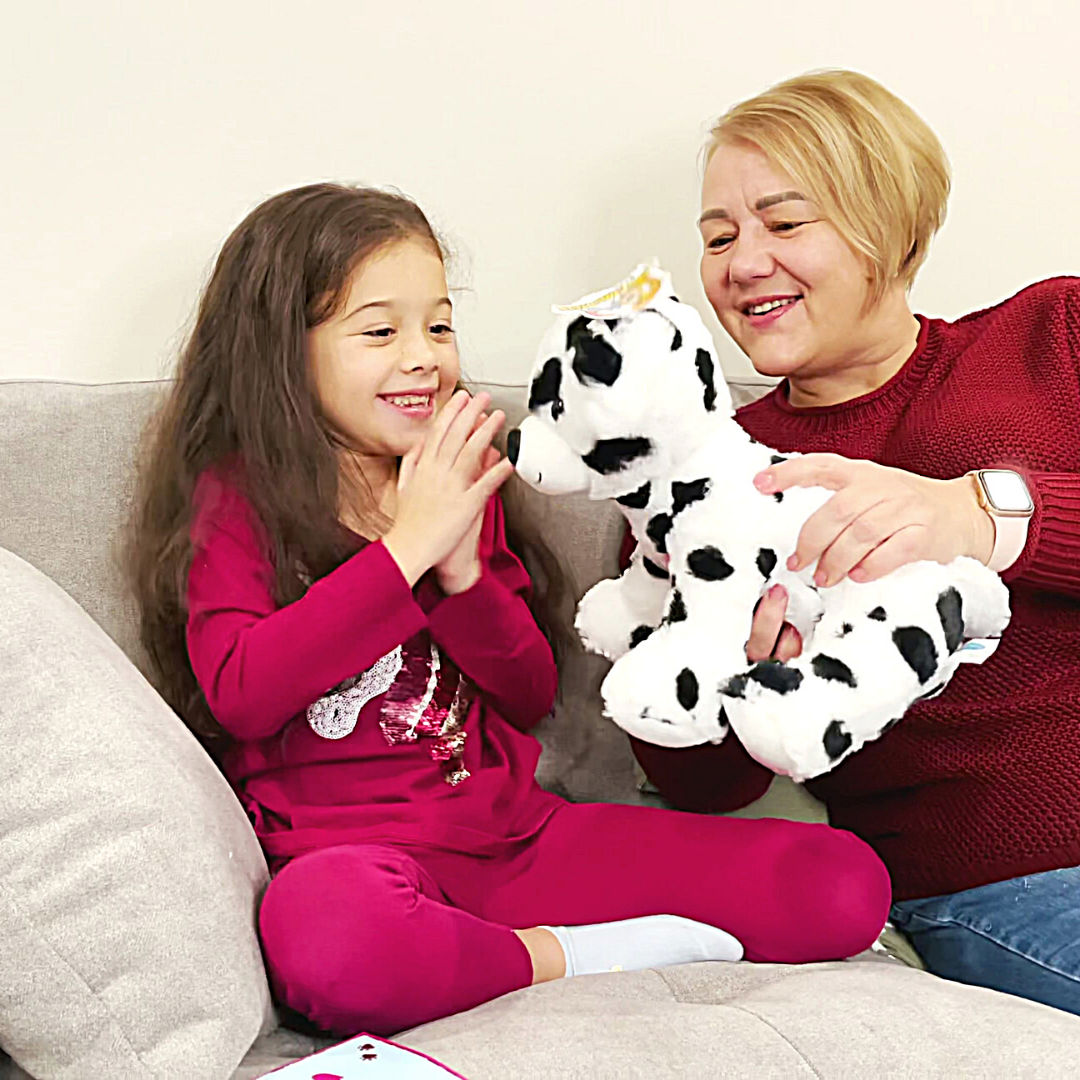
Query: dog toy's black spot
<point x="676" y="341"/>
<point x="683" y="494"/>
<point x="836" y="741"/>
<point x="878" y="614"/>
<point x="545" y="388"/>
<point x="513" y="445"/>
<point x="676" y="611"/>
<point x="657" y="529"/>
<point x="612" y="455"/>
<point x="636" y="500"/>
<point x="653" y="570"/>
<point x="917" y="648"/>
<point x="709" y="564"/>
<point x="778" y="496"/>
<point x="595" y="360"/>
<point x="611" y="323"/>
<point x="722" y="719"/>
<point x="639" y="634"/>
<point x="735" y="686"/>
<point x="766" y="561"/>
<point x="950" y="609"/>
<point x="828" y="667"/>
<point x="753" y="441"/>
<point x="776" y="459"/>
<point x="686" y="688"/>
<point x="845" y="630"/>
<point x="774" y="675"/>
<point x="703" y="363"/>
<point x="675" y="298"/>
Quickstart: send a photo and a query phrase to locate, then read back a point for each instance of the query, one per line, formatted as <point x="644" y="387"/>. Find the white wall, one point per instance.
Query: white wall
<point x="554" y="143"/>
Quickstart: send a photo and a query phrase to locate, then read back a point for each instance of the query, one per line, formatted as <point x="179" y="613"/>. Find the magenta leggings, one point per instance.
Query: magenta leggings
<point x="378" y="938"/>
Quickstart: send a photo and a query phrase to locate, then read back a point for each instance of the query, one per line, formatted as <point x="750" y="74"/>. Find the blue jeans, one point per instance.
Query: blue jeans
<point x="1020" y="936"/>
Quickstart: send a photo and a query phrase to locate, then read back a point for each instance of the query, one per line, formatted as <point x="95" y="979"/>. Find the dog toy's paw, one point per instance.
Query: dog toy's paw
<point x="604" y="621"/>
<point x="669" y="705"/>
<point x="985" y="598"/>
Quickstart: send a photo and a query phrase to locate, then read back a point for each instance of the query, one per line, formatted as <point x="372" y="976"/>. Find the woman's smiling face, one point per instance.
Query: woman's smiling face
<point x="783" y="282"/>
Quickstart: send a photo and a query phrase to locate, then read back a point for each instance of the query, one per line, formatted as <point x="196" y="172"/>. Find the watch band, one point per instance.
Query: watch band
<point x="1010" y="528"/>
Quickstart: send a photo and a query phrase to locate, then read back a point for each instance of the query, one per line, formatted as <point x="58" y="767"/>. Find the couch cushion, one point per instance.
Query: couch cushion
<point x="129" y="874"/>
<point x="867" y="1017"/>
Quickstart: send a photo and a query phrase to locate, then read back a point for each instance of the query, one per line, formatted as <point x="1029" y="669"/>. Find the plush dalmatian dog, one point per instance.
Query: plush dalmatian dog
<point x="635" y="409"/>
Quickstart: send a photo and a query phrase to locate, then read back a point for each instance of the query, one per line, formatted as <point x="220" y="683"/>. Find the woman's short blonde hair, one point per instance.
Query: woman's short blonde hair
<point x="874" y="168"/>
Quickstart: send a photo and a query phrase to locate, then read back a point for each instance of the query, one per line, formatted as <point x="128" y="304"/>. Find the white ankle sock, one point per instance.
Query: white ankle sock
<point x="633" y="944"/>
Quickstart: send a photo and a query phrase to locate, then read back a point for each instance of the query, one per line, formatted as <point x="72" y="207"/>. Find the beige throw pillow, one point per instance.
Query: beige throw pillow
<point x="129" y="875"/>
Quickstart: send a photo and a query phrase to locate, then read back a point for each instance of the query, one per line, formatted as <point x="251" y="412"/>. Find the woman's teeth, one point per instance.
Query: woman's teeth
<point x="408" y="400"/>
<point x="770" y="305"/>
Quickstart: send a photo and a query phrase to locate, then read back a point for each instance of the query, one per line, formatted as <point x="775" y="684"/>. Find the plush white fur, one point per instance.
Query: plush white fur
<point x="619" y="404"/>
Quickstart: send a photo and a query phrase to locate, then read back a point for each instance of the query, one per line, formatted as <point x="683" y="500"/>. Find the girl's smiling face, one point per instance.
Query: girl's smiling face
<point x="783" y="282"/>
<point x="386" y="361"/>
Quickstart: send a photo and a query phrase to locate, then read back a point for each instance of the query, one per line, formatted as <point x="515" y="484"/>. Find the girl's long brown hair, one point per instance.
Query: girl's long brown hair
<point x="242" y="394"/>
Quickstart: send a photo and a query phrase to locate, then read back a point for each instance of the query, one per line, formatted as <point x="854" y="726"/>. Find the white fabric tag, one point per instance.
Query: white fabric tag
<point x="976" y="650"/>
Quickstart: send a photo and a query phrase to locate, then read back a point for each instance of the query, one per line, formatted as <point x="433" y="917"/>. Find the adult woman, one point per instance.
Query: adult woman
<point x="819" y="201"/>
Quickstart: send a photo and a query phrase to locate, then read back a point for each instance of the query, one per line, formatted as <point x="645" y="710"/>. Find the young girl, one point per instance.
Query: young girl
<point x="329" y="597"/>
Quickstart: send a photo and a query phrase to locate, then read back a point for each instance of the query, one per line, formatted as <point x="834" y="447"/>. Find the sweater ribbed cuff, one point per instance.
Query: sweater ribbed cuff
<point x="1051" y="559"/>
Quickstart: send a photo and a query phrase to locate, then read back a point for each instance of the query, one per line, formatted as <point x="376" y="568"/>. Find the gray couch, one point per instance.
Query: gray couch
<point x="129" y="878"/>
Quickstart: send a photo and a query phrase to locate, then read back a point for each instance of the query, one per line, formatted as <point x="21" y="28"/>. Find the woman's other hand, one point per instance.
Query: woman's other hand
<point x="771" y="638"/>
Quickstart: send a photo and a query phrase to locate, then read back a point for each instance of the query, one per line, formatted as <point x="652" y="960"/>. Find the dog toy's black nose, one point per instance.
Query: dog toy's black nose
<point x="513" y="445"/>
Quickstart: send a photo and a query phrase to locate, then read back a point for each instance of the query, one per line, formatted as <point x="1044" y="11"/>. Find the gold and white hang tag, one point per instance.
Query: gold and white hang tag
<point x="631" y="294"/>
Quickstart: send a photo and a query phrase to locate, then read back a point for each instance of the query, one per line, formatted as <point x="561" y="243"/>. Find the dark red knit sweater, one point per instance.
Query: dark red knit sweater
<point x="983" y="782"/>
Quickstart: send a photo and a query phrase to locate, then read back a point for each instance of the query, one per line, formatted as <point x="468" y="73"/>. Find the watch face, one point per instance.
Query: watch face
<point x="1006" y="491"/>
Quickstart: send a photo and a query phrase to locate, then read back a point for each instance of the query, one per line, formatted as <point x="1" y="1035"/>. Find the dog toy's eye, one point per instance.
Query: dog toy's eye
<point x="545" y="388"/>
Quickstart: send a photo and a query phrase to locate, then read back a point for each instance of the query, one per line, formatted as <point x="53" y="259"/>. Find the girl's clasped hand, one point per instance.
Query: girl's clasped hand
<point x="444" y="484"/>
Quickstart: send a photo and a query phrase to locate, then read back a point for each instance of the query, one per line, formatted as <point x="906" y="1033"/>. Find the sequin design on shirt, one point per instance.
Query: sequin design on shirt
<point x="430" y="699"/>
<point x="449" y="748"/>
<point x="425" y="697"/>
<point x="335" y="714"/>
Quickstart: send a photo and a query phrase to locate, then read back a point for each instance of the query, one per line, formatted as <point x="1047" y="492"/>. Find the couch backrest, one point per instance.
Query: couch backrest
<point x="67" y="464"/>
<point x="67" y="461"/>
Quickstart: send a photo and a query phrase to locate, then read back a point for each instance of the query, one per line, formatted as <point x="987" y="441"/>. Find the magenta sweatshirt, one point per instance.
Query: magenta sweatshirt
<point x="367" y="711"/>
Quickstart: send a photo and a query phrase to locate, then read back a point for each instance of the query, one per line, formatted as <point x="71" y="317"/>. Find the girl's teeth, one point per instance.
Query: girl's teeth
<point x="412" y="399"/>
<point x="761" y="309"/>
